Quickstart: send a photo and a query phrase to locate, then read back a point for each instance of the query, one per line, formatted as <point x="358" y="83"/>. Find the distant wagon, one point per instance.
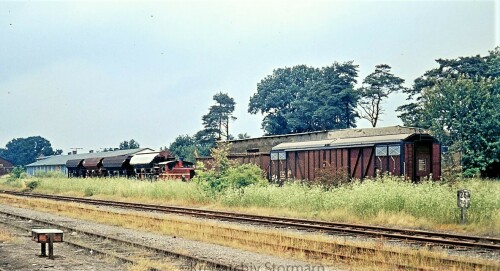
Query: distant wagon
<point x="146" y="165"/>
<point x="75" y="168"/>
<point x="93" y="167"/>
<point x="118" y="166"/>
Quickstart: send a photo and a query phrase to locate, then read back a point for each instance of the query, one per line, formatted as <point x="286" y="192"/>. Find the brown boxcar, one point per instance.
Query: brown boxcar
<point x="360" y="153"/>
<point x="414" y="156"/>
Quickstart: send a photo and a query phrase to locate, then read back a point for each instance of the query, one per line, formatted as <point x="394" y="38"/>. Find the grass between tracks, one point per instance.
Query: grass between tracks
<point x="386" y="200"/>
<point x="293" y="245"/>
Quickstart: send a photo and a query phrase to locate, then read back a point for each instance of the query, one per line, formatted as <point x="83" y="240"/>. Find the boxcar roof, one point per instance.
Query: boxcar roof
<point x="342" y="142"/>
<point x="91" y="162"/>
<point x="143" y="158"/>
<point x="115" y="161"/>
<point x="350" y="132"/>
<point x="73" y="163"/>
<point x="62" y="159"/>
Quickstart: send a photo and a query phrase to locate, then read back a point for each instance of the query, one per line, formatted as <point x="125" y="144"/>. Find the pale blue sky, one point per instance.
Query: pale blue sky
<point x="92" y="74"/>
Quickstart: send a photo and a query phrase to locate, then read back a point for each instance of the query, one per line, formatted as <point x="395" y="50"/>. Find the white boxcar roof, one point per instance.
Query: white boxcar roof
<point x="143" y="158"/>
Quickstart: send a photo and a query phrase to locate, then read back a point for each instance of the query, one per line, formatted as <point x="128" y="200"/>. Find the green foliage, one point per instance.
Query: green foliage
<point x="17" y="173"/>
<point x="216" y="122"/>
<point x="205" y="141"/>
<point x="89" y="191"/>
<point x="31" y="185"/>
<point x="377" y="86"/>
<point x="131" y="144"/>
<point x="221" y="160"/>
<point x="23" y="151"/>
<point x="184" y="146"/>
<point x="474" y="67"/>
<point x="304" y="99"/>
<point x="458" y="101"/>
<point x="464" y="114"/>
<point x="243" y="175"/>
<point x="225" y="174"/>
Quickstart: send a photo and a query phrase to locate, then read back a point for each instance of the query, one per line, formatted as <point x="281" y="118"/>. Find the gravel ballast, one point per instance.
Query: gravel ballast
<point x="232" y="256"/>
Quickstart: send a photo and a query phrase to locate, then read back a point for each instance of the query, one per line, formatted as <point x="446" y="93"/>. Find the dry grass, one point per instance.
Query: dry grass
<point x="144" y="264"/>
<point x="386" y="200"/>
<point x="5" y="235"/>
<point x="293" y="245"/>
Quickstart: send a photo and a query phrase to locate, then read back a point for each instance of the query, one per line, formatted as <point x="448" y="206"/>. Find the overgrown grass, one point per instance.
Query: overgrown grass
<point x="273" y="241"/>
<point x="386" y="200"/>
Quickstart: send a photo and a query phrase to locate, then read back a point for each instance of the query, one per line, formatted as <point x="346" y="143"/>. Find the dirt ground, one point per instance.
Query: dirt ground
<point x="19" y="252"/>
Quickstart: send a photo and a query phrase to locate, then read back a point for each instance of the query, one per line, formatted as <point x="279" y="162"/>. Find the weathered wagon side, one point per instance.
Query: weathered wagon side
<point x="93" y="167"/>
<point x="412" y="155"/>
<point x="118" y="166"/>
<point x="75" y="168"/>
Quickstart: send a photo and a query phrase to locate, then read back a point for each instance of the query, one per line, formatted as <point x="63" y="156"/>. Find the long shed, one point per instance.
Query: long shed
<point x="58" y="163"/>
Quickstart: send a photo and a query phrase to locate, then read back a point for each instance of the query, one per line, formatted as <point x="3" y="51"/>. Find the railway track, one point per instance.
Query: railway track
<point x="432" y="238"/>
<point x="124" y="250"/>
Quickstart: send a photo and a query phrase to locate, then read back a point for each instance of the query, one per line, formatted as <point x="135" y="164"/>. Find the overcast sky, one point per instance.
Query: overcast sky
<point x="92" y="74"/>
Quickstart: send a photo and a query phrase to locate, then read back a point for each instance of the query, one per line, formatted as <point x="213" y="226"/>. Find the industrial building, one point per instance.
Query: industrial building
<point x="58" y="163"/>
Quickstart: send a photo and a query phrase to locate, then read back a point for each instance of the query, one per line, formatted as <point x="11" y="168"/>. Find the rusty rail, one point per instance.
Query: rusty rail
<point x="420" y="236"/>
<point x="95" y="246"/>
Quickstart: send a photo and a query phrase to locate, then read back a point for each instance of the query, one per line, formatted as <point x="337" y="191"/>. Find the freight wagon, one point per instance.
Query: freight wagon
<point x="411" y="155"/>
<point x="360" y="153"/>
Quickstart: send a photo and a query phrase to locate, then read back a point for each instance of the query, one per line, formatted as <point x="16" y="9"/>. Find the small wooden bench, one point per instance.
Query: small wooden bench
<point x="44" y="236"/>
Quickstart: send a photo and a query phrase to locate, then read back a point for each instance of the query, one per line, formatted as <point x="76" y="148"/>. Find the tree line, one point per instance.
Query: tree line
<point x="458" y="102"/>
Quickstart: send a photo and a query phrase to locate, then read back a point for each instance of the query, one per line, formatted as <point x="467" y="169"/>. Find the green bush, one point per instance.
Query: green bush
<point x="243" y="175"/>
<point x="31" y="185"/>
<point x="89" y="191"/>
<point x="235" y="177"/>
<point x="17" y="173"/>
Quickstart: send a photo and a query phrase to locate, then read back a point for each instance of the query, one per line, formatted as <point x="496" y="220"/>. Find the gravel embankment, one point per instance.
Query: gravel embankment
<point x="235" y="257"/>
<point x="20" y="253"/>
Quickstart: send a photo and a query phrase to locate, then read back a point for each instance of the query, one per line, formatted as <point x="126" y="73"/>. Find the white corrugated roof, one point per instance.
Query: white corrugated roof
<point x="143" y="158"/>
<point x="341" y="142"/>
<point x="303" y="145"/>
<point x="370" y="139"/>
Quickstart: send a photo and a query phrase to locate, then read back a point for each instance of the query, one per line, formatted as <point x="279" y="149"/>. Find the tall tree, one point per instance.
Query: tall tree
<point x="304" y="99"/>
<point x="219" y="115"/>
<point x="377" y="86"/>
<point x="464" y="114"/>
<point x="473" y="67"/>
<point x="131" y="144"/>
<point x="23" y="151"/>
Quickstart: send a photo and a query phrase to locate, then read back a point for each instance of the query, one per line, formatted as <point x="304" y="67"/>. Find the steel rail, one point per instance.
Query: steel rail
<point x="186" y="257"/>
<point x="328" y="254"/>
<point x="422" y="236"/>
